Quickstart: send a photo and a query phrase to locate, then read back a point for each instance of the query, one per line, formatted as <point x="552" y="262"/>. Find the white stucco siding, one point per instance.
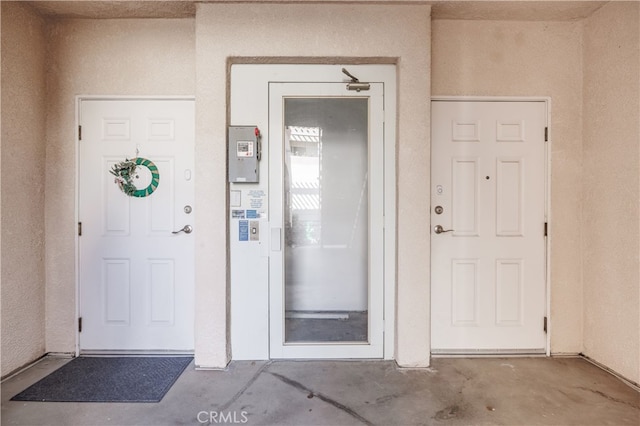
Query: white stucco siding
<point x="503" y="58"/>
<point x="272" y="31"/>
<point x="611" y="213"/>
<point x="23" y="186"/>
<point x="124" y="57"/>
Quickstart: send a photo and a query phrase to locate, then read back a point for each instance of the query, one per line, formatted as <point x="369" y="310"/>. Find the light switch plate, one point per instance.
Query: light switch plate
<point x="254" y="230"/>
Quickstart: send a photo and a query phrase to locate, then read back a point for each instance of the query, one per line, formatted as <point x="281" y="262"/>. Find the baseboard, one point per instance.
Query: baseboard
<point x="487" y="353"/>
<point x="614" y="373"/>
<point x="21" y="369"/>
<point x="61" y="354"/>
<point x="138" y="353"/>
<point x="565" y="354"/>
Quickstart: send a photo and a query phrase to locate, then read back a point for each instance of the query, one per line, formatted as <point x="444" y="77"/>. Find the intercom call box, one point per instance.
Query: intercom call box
<point x="244" y="154"/>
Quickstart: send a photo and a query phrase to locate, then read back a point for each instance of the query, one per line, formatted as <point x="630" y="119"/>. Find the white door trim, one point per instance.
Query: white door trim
<point x="547" y="208"/>
<point x="78" y="102"/>
<point x="257" y="76"/>
<point x="374" y="347"/>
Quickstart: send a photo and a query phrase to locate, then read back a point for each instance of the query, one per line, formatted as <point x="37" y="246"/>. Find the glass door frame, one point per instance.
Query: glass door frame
<point x="374" y="348"/>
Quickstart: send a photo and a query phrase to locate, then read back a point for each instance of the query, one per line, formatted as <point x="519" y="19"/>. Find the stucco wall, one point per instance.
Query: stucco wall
<point x="23" y="181"/>
<point x="611" y="191"/>
<point x="97" y="57"/>
<point x="155" y="57"/>
<point x="504" y="58"/>
<point x="313" y="30"/>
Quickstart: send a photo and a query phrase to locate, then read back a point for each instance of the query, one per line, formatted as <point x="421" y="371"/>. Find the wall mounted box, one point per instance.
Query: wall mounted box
<point x="244" y="154"/>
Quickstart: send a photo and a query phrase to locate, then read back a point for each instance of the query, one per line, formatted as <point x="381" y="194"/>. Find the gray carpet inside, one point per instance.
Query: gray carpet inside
<point x="108" y="379"/>
<point x="353" y="329"/>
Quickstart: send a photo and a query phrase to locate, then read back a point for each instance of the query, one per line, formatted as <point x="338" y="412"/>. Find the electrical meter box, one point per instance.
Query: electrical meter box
<point x="244" y="154"/>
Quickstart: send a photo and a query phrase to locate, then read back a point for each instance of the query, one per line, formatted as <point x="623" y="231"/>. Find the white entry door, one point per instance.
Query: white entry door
<point x="136" y="266"/>
<point x="326" y="176"/>
<point x="488" y="227"/>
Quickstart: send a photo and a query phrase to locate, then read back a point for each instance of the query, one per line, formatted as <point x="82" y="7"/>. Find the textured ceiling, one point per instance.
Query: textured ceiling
<point x="116" y="9"/>
<point x="519" y="10"/>
<point x="515" y="10"/>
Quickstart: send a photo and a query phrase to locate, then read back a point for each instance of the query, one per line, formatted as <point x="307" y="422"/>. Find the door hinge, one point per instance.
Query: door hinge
<point x="80" y="325"/>
<point x="544" y="324"/>
<point x="546" y="134"/>
<point x="79" y="229"/>
<point x="546" y="229"/>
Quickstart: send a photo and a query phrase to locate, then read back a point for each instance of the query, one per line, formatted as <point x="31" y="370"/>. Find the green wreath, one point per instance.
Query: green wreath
<point x="125" y="172"/>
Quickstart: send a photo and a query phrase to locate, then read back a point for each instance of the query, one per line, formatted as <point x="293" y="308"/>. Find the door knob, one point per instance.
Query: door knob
<point x="438" y="229"/>
<point x="187" y="229"/>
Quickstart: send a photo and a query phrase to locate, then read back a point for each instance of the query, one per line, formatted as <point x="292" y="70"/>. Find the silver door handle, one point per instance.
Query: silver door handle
<point x="187" y="229"/>
<point x="438" y="229"/>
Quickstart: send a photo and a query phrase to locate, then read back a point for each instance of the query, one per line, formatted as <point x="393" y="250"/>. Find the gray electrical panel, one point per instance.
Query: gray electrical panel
<point x="244" y="154"/>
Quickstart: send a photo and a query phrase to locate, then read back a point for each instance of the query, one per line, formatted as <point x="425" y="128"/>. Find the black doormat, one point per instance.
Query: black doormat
<point x="108" y="379"/>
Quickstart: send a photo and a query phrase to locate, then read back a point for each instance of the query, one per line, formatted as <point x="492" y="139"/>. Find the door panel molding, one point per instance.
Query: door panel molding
<point x="160" y="308"/>
<point x="249" y="288"/>
<point x="510" y="216"/>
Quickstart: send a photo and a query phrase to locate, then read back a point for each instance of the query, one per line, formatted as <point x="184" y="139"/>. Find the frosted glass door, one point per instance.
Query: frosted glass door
<point x="326" y="201"/>
<point x="326" y="219"/>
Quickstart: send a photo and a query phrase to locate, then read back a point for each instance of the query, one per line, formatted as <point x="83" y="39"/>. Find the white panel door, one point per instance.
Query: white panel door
<point x="136" y="273"/>
<point x="488" y="217"/>
<point x="326" y="186"/>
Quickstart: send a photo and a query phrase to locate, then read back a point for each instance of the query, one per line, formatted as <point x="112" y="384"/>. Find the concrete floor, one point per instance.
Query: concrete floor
<point x="506" y="391"/>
